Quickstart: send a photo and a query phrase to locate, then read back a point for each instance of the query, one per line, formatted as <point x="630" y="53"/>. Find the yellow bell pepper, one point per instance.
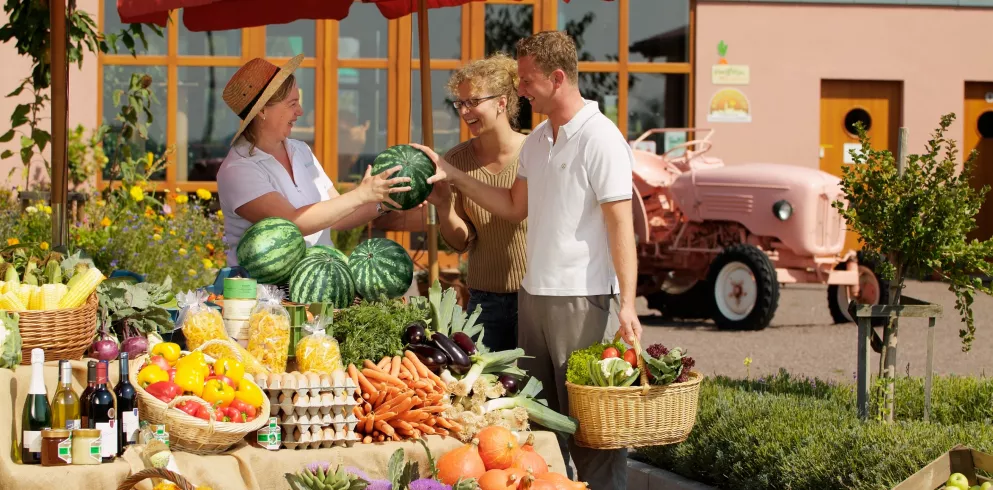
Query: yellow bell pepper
<point x="249" y="392"/>
<point x="196" y="361"/>
<point x="151" y="373"/>
<point x="189" y="378"/>
<point x="218" y="393"/>
<point x="230" y="367"/>
<point x="169" y="350"/>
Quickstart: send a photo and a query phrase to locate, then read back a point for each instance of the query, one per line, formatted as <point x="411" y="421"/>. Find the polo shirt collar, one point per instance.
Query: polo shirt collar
<point x="242" y="147"/>
<point x="590" y="108"/>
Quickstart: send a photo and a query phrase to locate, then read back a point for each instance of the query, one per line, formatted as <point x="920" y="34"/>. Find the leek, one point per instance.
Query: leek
<point x="538" y="410"/>
<point x="480" y="361"/>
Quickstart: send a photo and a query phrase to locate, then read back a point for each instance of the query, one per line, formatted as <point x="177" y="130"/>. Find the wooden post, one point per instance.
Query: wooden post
<point x="427" y="131"/>
<point x="901" y="151"/>
<point x="57" y="13"/>
<point x="930" y="369"/>
<point x="862" y="371"/>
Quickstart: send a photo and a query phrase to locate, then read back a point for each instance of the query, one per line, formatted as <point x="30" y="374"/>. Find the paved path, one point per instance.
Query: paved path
<point x="803" y="339"/>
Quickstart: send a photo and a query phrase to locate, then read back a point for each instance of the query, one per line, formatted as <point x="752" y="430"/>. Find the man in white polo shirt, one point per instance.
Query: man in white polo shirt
<point x="574" y="187"/>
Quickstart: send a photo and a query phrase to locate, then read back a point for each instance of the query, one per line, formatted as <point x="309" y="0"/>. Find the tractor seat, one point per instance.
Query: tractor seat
<point x="652" y="170"/>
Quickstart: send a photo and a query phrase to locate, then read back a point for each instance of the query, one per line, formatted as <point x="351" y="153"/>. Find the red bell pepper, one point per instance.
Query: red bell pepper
<point x="202" y="413"/>
<point x="228" y="381"/>
<point x="191" y="408"/>
<point x="244" y="408"/>
<point x="164" y="390"/>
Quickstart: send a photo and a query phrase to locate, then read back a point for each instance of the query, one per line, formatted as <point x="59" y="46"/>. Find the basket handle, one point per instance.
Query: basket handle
<point x="226" y="343"/>
<point x="201" y="401"/>
<point x="642" y="369"/>
<point x="135" y="478"/>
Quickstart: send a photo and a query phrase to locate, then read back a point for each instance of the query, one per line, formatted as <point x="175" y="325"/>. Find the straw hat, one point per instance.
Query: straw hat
<point x="253" y="85"/>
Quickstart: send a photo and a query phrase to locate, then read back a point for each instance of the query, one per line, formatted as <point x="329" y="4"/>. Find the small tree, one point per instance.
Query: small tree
<point x="916" y="220"/>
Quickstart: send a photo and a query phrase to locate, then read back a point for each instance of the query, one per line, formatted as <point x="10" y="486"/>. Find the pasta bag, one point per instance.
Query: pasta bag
<point x="269" y="329"/>
<point x="198" y="321"/>
<point x="318" y="351"/>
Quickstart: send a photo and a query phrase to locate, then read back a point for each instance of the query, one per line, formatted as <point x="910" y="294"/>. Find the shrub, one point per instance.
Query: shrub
<point x="782" y="432"/>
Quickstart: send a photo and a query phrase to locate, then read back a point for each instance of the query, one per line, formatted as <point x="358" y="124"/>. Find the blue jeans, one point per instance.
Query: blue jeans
<point x="498" y="316"/>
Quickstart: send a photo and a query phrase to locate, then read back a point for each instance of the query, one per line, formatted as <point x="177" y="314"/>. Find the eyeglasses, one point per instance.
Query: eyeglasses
<point x="471" y="102"/>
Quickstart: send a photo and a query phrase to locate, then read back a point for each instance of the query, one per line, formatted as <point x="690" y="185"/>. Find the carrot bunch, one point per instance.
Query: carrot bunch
<point x="402" y="399"/>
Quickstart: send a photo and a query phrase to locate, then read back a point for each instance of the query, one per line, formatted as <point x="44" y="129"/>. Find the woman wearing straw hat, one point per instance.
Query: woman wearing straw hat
<point x="268" y="174"/>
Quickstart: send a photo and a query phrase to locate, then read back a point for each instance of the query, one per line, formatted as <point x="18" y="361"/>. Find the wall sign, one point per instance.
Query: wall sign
<point x="729" y="105"/>
<point x="729" y="75"/>
<point x="847" y="151"/>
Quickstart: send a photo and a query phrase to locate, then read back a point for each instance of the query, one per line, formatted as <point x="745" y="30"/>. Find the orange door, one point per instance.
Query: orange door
<point x="843" y="103"/>
<point x="978" y="126"/>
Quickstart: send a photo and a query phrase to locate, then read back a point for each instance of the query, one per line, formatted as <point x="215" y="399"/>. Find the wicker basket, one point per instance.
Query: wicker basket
<point x="192" y="434"/>
<point x="634" y="416"/>
<point x="162" y="473"/>
<point x="63" y="334"/>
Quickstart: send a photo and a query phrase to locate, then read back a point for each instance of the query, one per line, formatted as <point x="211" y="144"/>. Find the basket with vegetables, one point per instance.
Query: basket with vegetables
<point x="56" y="299"/>
<point x="615" y="413"/>
<point x="208" y="404"/>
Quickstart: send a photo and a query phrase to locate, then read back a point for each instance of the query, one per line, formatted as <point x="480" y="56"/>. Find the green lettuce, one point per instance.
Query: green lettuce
<point x="10" y="340"/>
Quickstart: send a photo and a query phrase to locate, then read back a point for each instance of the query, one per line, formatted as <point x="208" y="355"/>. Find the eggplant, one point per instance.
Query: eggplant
<point x="432" y="357"/>
<point x="511" y="383"/>
<point x="458" y="360"/>
<point x="464" y="342"/>
<point x="415" y="333"/>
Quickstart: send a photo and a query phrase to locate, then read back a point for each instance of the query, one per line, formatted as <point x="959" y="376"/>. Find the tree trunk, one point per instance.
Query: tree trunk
<point x="887" y="358"/>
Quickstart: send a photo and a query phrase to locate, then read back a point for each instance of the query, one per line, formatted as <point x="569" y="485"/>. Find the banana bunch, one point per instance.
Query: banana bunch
<point x="320" y="478"/>
<point x="49" y="283"/>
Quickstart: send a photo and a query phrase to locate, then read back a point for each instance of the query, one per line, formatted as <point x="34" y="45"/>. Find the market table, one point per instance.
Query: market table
<point x="243" y="467"/>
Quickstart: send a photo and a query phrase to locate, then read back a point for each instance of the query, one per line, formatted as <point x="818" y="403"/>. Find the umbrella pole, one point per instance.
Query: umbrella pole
<point x="427" y="131"/>
<point x="60" y="113"/>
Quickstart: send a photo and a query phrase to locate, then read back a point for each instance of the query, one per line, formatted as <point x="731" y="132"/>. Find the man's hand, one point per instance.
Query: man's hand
<point x="630" y="324"/>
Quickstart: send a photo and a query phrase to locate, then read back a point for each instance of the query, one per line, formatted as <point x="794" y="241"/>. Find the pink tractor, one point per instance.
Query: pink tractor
<point x="717" y="241"/>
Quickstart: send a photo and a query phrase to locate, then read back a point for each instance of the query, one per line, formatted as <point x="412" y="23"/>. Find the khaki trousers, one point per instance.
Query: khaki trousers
<point x="549" y="329"/>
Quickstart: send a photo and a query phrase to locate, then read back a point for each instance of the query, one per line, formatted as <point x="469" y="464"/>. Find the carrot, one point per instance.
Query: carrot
<point x="419" y="366"/>
<point x="421" y="393"/>
<point x="405" y="362"/>
<point x="380" y="398"/>
<point x="441" y="432"/>
<point x="395" y="366"/>
<point x="405" y="405"/>
<point x="370" y="365"/>
<point x="366" y="386"/>
<point x="405" y="375"/>
<point x="385" y="416"/>
<point x="384" y="377"/>
<point x="433" y="409"/>
<point x="435" y="398"/>
<point x="385" y="428"/>
<point x="357" y="411"/>
<point x="367" y="440"/>
<point x="427" y="429"/>
<point x="401" y="424"/>
<point x="353" y="373"/>
<point x="369" y="421"/>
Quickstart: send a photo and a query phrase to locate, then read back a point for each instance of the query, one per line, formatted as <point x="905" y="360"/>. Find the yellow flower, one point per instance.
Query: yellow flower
<point x="210" y="246"/>
<point x="101" y="202"/>
<point x="12" y="241"/>
<point x="105" y="222"/>
<point x="220" y="214"/>
<point x="156" y="237"/>
<point x="137" y="194"/>
<point x="48" y="210"/>
<point x="182" y="252"/>
<point x="181" y="199"/>
<point x="43" y="245"/>
<point x="158" y="229"/>
<point x="748" y="361"/>
<point x="31" y="209"/>
<point x="207" y="264"/>
<point x="204" y="194"/>
<point x="191" y="272"/>
<point x="151" y="158"/>
<point x="162" y="218"/>
<point x="196" y="247"/>
<point x="172" y="232"/>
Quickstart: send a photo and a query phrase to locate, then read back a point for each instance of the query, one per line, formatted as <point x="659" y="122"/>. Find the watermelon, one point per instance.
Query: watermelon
<point x="416" y="165"/>
<point x="324" y="249"/>
<point x="270" y="249"/>
<point x="381" y="268"/>
<point x="322" y="277"/>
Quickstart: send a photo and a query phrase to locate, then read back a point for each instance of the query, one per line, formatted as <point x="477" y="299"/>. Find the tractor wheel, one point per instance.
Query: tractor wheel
<point x="745" y="288"/>
<point x="694" y="303"/>
<point x="872" y="291"/>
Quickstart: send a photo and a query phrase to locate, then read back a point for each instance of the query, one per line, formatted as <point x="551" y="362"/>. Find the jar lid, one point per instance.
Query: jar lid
<point x="57" y="433"/>
<point x="86" y="433"/>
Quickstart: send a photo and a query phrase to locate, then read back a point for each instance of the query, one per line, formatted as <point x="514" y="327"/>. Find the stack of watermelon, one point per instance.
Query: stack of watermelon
<point x="273" y="251"/>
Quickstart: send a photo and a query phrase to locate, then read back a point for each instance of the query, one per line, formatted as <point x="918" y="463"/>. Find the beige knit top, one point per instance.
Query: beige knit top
<point x="496" y="247"/>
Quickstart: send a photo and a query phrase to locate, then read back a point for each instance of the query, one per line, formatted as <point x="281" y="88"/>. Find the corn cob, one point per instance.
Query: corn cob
<point x="24" y="293"/>
<point x="82" y="289"/>
<point x="10" y="302"/>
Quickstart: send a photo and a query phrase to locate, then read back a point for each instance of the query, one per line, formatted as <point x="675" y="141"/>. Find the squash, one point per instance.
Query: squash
<point x="500" y="480"/>
<point x="527" y="459"/>
<point x="550" y="481"/>
<point x="497" y="447"/>
<point x="461" y="462"/>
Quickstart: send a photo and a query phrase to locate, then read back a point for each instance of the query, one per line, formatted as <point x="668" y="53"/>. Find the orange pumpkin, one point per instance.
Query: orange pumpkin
<point x="462" y="462"/>
<point x="549" y="481"/>
<point x="497" y="447"/>
<point x="528" y="460"/>
<point x="499" y="480"/>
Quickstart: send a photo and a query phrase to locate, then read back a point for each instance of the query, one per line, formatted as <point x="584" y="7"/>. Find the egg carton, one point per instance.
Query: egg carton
<point x="309" y="383"/>
<point x="315" y="438"/>
<point x="336" y="422"/>
<point x="322" y="404"/>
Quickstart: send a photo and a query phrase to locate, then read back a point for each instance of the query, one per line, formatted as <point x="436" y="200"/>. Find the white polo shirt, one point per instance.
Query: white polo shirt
<point x="243" y="178"/>
<point x="568" y="249"/>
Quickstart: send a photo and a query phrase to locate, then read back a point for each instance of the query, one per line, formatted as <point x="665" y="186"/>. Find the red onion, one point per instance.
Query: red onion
<point x="135" y="346"/>
<point x="104" y="350"/>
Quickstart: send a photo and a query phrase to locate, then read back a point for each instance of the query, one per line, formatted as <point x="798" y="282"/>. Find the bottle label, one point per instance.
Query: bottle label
<point x="74" y="424"/>
<point x="108" y="436"/>
<point x="95" y="448"/>
<point x="65" y="451"/>
<point x="32" y="441"/>
<point x="129" y="425"/>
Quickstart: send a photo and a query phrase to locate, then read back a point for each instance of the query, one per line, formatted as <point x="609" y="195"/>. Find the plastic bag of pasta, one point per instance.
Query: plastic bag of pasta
<point x="318" y="351"/>
<point x="269" y="329"/>
<point x="198" y="321"/>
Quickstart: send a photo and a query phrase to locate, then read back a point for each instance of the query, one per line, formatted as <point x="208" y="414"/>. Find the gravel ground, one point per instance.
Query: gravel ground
<point x="803" y="339"/>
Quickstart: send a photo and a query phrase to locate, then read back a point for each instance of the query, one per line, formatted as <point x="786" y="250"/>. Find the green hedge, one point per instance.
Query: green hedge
<point x="782" y="433"/>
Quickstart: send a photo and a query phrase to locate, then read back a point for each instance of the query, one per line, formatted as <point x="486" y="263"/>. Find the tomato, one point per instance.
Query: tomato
<point x="631" y="357"/>
<point x="610" y="352"/>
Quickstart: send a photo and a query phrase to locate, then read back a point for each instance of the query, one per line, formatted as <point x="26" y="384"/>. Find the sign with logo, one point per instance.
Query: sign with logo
<point x="729" y="75"/>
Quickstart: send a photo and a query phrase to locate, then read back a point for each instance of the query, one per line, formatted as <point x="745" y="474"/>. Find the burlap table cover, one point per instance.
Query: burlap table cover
<point x="242" y="468"/>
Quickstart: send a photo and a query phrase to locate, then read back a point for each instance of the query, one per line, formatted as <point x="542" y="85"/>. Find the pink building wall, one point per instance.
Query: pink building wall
<point x="790" y="48"/>
<point x="82" y="95"/>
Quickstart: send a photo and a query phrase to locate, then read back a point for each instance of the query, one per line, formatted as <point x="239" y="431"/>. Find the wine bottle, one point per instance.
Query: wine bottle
<point x="127" y="408"/>
<point x="65" y="402"/>
<point x="84" y="397"/>
<point x="37" y="414"/>
<point x="103" y="414"/>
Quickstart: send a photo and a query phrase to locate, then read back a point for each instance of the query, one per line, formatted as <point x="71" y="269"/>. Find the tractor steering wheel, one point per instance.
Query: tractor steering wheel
<point x="704" y="146"/>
